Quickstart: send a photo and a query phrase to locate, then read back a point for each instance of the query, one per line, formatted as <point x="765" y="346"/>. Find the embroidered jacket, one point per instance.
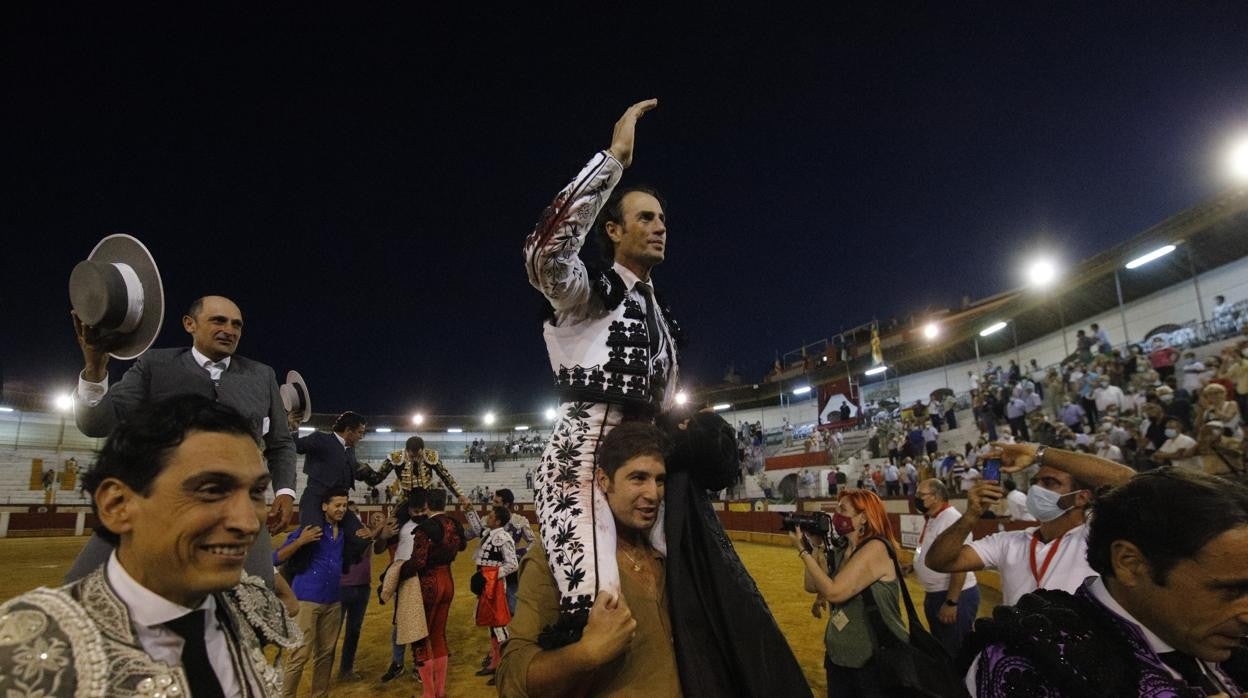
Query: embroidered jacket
<point x="598" y="340"/>
<point x="77" y="640"/>
<point x="1055" y="644"/>
<point x="417" y="475"/>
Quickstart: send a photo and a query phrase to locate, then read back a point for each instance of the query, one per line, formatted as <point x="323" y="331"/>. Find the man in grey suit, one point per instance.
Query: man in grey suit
<point x="209" y="368"/>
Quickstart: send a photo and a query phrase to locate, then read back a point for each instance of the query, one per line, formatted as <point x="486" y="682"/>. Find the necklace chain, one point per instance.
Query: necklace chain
<point x="636" y="564"/>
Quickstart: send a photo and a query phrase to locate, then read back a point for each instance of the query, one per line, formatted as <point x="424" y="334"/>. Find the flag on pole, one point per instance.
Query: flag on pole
<point x="877" y="354"/>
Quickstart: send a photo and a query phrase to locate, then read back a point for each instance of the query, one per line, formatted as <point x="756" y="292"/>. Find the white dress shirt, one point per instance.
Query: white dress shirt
<point x="149" y="612"/>
<point x="1016" y="506"/>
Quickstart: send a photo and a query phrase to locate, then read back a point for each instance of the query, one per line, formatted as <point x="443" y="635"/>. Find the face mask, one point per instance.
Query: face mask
<point x="1043" y="504"/>
<point x="843" y="524"/>
<point x="919" y="505"/>
<point x="1171" y="433"/>
<point x="1104" y="384"/>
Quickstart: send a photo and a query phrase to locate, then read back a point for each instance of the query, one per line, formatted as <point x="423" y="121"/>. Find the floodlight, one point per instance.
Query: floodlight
<point x="488" y="418"/>
<point x="1155" y="254"/>
<point x="1042" y="272"/>
<point x="681" y="398"/>
<point x="931" y="330"/>
<point x="721" y="407"/>
<point x="802" y="390"/>
<point x="551" y="414"/>
<point x="454" y="430"/>
<point x="383" y="430"/>
<point x="306" y="429"/>
<point x="6" y="409"/>
<point x="418" y="419"/>
<point x="875" y="371"/>
<point x="64" y="403"/>
<point x="992" y="329"/>
<point x="1238" y="160"/>
<point x="521" y="427"/>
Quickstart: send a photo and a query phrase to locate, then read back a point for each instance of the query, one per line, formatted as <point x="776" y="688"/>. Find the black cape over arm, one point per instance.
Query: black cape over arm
<point x="727" y="642"/>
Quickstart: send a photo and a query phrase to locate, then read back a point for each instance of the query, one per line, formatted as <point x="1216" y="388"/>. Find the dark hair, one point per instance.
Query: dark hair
<point x="506" y="495"/>
<point x="613" y="212"/>
<point x="502" y="514"/>
<point x="348" y="421"/>
<point x="415" y="444"/>
<point x="437" y="499"/>
<point x="1170" y="514"/>
<point x="417" y="499"/>
<point x="1009" y="485"/>
<point x="627" y="441"/>
<point x="140" y="447"/>
<point x="336" y="492"/>
<point x="197" y="305"/>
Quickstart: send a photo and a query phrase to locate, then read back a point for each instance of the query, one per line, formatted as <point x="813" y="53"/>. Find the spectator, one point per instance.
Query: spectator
<point x="865" y="565"/>
<point x="930" y="438"/>
<point x="1101" y="338"/>
<point x="970" y="476"/>
<point x="1107" y="396"/>
<point x="1162" y="357"/>
<point x="1179" y="449"/>
<point x="1015" y="501"/>
<point x="1106" y="450"/>
<point x="952" y="600"/>
<point x="1153" y="621"/>
<point x="909" y="479"/>
<point x="1061" y="492"/>
<point x="1219" y="454"/>
<point x="1214" y="406"/>
<point x="892" y="479"/>
<point x="1072" y="415"/>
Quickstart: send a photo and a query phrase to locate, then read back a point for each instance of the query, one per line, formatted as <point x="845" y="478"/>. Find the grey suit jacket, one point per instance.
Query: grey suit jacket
<point x="248" y="386"/>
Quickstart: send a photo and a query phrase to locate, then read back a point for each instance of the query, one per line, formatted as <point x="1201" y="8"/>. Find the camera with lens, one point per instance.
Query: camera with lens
<point x="816" y="524"/>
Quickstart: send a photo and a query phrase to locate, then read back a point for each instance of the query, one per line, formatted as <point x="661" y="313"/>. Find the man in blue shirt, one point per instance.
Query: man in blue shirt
<point x="318" y="588"/>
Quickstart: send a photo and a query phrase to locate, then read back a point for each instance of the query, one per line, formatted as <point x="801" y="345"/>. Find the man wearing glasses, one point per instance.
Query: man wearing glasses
<point x="952" y="600"/>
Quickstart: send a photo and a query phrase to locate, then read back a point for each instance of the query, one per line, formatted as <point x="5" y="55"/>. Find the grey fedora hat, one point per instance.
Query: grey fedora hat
<point x="117" y="291"/>
<point x="295" y="396"/>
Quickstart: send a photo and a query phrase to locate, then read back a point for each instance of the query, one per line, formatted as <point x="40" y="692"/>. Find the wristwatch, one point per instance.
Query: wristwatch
<point x="1038" y="456"/>
<point x="953" y="604"/>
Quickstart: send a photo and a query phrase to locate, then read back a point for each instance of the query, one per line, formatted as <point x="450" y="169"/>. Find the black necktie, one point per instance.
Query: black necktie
<point x="652" y="320"/>
<point x="199" y="674"/>
<point x="1191" y="672"/>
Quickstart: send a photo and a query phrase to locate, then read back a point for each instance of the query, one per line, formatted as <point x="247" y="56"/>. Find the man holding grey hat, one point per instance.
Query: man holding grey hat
<point x="208" y="367"/>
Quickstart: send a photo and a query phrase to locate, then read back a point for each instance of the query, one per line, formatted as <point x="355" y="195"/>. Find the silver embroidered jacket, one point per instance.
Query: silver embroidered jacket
<point x="598" y="341"/>
<point x="77" y="640"/>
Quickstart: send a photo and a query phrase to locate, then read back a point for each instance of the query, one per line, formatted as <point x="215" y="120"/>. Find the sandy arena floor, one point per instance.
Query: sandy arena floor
<point x="31" y="562"/>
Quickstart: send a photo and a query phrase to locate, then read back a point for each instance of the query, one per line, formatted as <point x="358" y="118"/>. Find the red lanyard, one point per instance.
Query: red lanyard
<point x="928" y="520"/>
<point x="1039" y="574"/>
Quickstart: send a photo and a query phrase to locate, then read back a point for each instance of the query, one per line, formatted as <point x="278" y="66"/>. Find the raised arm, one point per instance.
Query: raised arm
<point x="552" y="250"/>
<point x="949" y="553"/>
<point x="1091" y="470"/>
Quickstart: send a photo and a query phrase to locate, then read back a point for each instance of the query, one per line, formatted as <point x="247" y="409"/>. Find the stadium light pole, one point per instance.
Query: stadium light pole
<point x="930" y="332"/>
<point x="1156" y="254"/>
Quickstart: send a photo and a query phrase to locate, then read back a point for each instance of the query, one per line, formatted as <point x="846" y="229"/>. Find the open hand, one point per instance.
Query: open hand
<point x="309" y="534"/>
<point x="625" y="131"/>
<point x="1014" y="457"/>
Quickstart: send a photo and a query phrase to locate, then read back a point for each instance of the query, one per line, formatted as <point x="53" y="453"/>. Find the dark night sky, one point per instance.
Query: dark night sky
<point x="362" y="184"/>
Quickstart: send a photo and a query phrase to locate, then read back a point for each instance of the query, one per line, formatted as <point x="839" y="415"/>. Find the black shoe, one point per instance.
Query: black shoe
<point x="485" y="671"/>
<point x="485" y="661"/>
<point x="394" y="672"/>
<point x="491" y="682"/>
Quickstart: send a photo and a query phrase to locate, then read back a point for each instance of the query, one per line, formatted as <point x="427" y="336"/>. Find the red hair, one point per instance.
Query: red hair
<point x="872" y="507"/>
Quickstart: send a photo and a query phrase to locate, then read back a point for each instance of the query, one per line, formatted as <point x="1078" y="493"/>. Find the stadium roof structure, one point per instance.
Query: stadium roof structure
<point x="1207" y="236"/>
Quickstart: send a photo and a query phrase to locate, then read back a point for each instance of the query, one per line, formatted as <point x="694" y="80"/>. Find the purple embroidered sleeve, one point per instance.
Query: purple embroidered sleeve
<point x="1000" y="675"/>
<point x="551" y="251"/>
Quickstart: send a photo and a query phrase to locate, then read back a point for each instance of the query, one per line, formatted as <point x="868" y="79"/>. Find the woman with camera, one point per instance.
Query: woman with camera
<point x="863" y="579"/>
